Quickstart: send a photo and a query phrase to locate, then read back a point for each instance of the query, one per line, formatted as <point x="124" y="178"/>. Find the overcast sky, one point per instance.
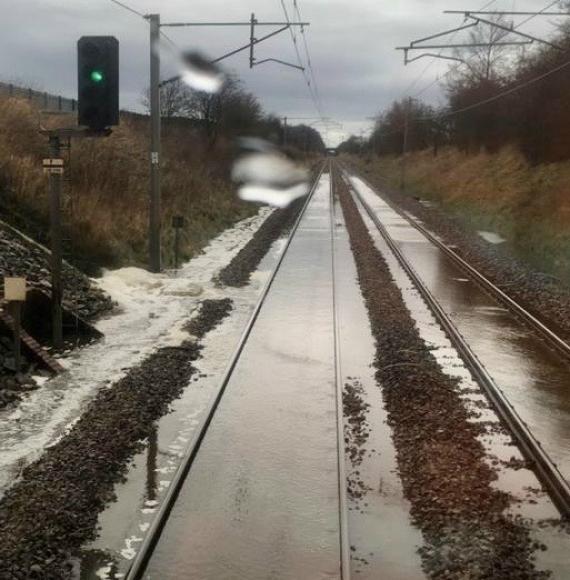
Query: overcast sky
<point x="351" y="43"/>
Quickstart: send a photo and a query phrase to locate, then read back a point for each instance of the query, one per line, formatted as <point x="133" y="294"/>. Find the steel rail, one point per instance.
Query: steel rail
<point x="140" y="562"/>
<point x="545" y="469"/>
<point x="555" y="341"/>
<point x="342" y="479"/>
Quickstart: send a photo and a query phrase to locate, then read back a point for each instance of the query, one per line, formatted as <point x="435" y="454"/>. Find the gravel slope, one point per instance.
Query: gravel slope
<point x="238" y="272"/>
<point x="20" y="256"/>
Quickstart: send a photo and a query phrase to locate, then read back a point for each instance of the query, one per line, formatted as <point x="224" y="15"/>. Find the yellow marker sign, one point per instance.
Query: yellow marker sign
<point x="15" y="289"/>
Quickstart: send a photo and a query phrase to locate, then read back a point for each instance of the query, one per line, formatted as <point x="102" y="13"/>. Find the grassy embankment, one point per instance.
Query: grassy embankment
<point x="109" y="187"/>
<point x="528" y="205"/>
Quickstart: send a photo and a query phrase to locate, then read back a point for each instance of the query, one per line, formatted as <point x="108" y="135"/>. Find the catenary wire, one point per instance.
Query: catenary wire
<point x="307" y="53"/>
<point x="434" y="60"/>
<point x="300" y="60"/>
<point x="498" y="96"/>
<point x="455" y="67"/>
<point x="129" y="8"/>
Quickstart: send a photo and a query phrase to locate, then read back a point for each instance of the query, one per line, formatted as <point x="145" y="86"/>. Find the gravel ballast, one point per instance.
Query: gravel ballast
<point x="53" y="509"/>
<point x="212" y="312"/>
<point x="238" y="272"/>
<point x="440" y="460"/>
<point x="20" y="256"/>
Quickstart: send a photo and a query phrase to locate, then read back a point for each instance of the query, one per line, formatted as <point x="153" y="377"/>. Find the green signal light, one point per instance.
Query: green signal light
<point x="96" y="76"/>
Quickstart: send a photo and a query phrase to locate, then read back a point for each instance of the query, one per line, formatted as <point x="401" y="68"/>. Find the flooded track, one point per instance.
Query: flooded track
<point x="283" y="485"/>
<point x="262" y="494"/>
<point x="293" y="472"/>
<point x="526" y="379"/>
<point x="384" y="541"/>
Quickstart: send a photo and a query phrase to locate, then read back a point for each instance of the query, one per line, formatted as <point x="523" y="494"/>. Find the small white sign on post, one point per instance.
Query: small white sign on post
<point x="15" y="289"/>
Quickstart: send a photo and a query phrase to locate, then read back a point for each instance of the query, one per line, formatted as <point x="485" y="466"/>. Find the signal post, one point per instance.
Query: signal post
<point x="98" y="110"/>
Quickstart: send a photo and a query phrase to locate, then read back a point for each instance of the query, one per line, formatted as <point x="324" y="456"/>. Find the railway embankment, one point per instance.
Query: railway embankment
<point x="106" y="187"/>
<point x="465" y="198"/>
<point x="83" y="303"/>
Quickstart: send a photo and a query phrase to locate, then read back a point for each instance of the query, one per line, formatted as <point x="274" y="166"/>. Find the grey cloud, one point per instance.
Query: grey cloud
<point x="352" y="47"/>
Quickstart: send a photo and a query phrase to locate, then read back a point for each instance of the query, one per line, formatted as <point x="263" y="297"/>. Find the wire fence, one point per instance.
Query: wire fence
<point x="41" y="99"/>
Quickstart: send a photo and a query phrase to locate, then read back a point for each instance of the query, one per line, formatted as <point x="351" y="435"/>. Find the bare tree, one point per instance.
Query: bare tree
<point x="486" y="62"/>
<point x="174" y="100"/>
<point x="232" y="110"/>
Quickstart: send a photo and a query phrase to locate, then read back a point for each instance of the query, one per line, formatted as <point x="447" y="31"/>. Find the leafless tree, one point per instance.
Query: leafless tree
<point x="232" y="110"/>
<point x="486" y="62"/>
<point x="174" y="100"/>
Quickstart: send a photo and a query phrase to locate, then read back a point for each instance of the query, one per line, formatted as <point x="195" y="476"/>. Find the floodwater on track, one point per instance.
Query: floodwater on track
<point x="262" y="498"/>
<point x="124" y="522"/>
<point x="384" y="541"/>
<point x="535" y="379"/>
<point x="529" y="502"/>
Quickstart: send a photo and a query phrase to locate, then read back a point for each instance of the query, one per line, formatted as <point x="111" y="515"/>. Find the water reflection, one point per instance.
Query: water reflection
<point x="98" y="564"/>
<point x="534" y="378"/>
<point x="151" y="466"/>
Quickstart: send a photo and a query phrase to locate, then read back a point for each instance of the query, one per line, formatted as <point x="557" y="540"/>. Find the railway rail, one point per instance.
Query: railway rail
<point x="138" y="568"/>
<point x="549" y="335"/>
<point x="545" y="469"/>
<point x="539" y="460"/>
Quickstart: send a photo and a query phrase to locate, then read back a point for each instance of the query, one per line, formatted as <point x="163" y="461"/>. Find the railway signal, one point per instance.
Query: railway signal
<point x="98" y="110"/>
<point x="98" y="81"/>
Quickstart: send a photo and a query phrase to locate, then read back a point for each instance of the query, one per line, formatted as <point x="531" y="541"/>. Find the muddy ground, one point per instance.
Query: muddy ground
<point x="440" y="460"/>
<point x="53" y="509"/>
<point x="544" y="296"/>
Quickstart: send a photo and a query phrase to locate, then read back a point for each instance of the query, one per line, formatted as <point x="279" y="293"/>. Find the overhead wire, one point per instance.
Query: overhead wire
<point x="507" y="92"/>
<point x="537" y="14"/>
<point x="500" y="95"/>
<point x="307" y="52"/>
<point x="300" y="60"/>
<point x="170" y="41"/>
<point x="127" y="7"/>
<point x="456" y="66"/>
<point x="434" y="60"/>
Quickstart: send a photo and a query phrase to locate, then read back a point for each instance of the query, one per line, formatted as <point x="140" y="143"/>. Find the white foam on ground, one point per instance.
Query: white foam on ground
<point x="152" y="309"/>
<point x="492" y="237"/>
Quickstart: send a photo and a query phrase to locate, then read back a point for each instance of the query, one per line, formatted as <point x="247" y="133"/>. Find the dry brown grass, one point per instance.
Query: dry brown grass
<point x="504" y="180"/>
<point x="108" y="186"/>
<point x="528" y="204"/>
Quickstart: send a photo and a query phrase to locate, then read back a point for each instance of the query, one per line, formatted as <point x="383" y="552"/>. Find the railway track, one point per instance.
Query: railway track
<point x="139" y="567"/>
<point x="549" y="336"/>
<point x="544" y="467"/>
<point x="539" y="460"/>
